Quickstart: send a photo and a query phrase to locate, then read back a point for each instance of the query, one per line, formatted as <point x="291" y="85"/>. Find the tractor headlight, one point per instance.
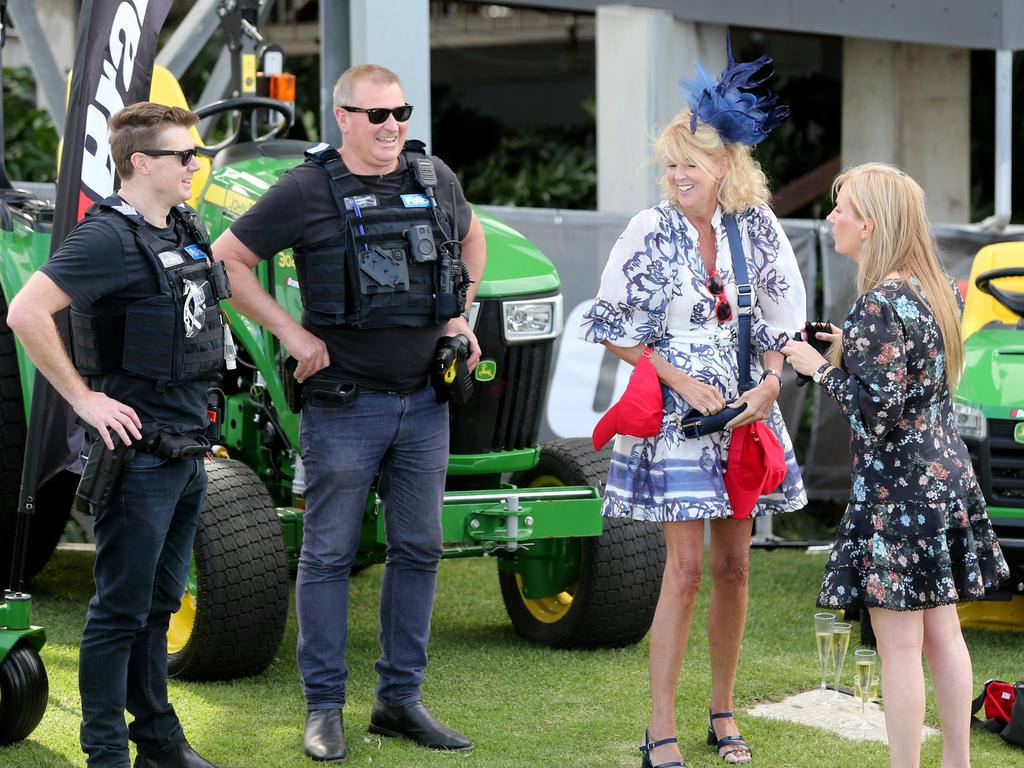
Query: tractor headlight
<point x="970" y="421"/>
<point x="532" y="319"/>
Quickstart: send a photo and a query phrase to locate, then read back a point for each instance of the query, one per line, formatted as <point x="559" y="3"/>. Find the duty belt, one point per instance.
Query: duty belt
<point x="171" y="446"/>
<point x="338" y="396"/>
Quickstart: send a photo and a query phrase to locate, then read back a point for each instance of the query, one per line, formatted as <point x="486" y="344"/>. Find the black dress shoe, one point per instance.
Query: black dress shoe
<point x="180" y="756"/>
<point x="324" y="736"/>
<point x="414" y="722"/>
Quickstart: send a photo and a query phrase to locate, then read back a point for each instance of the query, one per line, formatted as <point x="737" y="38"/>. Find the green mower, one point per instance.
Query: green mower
<point x="990" y="410"/>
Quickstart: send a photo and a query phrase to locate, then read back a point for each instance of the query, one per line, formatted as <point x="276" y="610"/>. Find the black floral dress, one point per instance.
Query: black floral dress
<point x="915" y="534"/>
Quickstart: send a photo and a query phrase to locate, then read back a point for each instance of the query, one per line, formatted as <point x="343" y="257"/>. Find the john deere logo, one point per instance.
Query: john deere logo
<point x="1018" y="432"/>
<point x="486" y="370"/>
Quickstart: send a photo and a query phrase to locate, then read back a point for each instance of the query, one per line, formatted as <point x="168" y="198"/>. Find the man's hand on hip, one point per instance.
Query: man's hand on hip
<point x="104" y="413"/>
<point x="309" y="350"/>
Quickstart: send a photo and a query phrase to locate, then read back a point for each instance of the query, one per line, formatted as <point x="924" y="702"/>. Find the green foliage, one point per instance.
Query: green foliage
<point x="30" y="140"/>
<point x="546" y="167"/>
<point x="543" y="168"/>
<point x="522" y="704"/>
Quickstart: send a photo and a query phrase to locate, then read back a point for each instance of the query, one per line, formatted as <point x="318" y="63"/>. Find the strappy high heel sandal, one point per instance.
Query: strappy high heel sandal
<point x="737" y="744"/>
<point x="645" y="750"/>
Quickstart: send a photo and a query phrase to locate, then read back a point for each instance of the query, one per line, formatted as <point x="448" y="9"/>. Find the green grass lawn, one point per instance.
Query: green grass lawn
<point x="523" y="705"/>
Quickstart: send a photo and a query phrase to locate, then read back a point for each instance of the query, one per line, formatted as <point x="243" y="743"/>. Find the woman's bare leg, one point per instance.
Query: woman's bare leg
<point x="670" y="630"/>
<point x="727" y="614"/>
<point x="900" y="637"/>
<point x="949" y="663"/>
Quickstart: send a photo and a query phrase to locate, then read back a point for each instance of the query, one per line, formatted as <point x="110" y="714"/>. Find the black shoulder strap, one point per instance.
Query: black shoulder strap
<point x="117" y="205"/>
<point x="415" y="150"/>
<point x="327" y="157"/>
<point x="187" y="216"/>
<point x="744" y="300"/>
<point x="415" y="147"/>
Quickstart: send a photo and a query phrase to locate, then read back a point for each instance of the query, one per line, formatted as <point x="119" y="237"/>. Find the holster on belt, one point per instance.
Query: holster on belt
<point x="337" y="396"/>
<point x="102" y="470"/>
<point x="170" y="446"/>
<point x="292" y="388"/>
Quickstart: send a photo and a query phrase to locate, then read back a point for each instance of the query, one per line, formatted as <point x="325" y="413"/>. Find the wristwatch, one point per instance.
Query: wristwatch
<point x="820" y="373"/>
<point x="771" y="372"/>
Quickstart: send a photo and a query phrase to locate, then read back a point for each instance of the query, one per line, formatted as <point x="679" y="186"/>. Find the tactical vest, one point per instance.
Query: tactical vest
<point x="393" y="262"/>
<point x="171" y="337"/>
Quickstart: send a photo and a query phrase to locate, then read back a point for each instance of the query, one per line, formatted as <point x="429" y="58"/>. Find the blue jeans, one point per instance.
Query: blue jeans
<point x="404" y="438"/>
<point x="143" y="548"/>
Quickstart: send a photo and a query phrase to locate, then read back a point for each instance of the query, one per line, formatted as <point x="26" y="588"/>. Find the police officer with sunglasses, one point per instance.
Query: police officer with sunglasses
<point x="143" y="290"/>
<point x="388" y="255"/>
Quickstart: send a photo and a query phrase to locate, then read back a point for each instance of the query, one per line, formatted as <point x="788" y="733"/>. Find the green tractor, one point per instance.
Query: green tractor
<point x="568" y="577"/>
<point x="990" y="410"/>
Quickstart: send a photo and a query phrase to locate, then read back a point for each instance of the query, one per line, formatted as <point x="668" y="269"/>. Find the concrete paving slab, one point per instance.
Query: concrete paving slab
<point x="839" y="715"/>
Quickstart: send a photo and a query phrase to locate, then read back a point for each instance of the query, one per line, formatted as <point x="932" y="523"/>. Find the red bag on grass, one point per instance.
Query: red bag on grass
<point x="1004" y="710"/>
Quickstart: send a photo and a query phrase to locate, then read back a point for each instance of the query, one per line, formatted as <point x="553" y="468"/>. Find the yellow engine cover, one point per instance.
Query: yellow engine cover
<point x="980" y="309"/>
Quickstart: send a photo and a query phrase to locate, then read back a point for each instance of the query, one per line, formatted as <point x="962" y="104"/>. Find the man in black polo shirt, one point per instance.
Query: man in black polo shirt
<point x="143" y="293"/>
<point x="379" y="271"/>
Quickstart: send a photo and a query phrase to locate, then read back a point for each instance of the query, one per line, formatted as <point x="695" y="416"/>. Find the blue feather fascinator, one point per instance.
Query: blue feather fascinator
<point x="727" y="105"/>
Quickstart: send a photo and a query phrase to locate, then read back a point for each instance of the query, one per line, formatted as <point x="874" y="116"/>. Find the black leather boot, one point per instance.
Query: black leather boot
<point x="414" y="722"/>
<point x="180" y="756"/>
<point x="324" y="736"/>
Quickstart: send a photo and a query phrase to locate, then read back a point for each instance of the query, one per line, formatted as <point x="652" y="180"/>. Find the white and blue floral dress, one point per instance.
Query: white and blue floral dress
<point x="653" y="291"/>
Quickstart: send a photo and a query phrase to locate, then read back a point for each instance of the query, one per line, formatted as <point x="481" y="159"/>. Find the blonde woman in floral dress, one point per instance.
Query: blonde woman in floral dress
<point x="915" y="539"/>
<point x="671" y="284"/>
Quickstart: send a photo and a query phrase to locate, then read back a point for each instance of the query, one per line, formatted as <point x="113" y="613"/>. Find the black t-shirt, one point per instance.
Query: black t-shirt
<point x="101" y="267"/>
<point x="300" y="210"/>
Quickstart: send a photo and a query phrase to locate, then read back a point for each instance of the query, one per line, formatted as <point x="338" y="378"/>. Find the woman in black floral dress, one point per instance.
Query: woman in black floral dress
<point x="915" y="539"/>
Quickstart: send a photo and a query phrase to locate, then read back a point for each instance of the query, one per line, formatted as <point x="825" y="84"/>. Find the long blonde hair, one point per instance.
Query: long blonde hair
<point x="902" y="242"/>
<point x="742" y="186"/>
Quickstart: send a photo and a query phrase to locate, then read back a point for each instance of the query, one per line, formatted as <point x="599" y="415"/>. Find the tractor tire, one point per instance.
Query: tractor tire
<point x="235" y="607"/>
<point x="612" y="602"/>
<point x="53" y="500"/>
<point x="24" y="689"/>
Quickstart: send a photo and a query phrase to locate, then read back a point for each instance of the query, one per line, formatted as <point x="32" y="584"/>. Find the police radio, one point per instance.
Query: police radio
<point x="425" y="173"/>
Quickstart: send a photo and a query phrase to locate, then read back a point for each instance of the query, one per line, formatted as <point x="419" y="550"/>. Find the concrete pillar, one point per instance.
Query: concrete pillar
<point x="909" y="104"/>
<point x="396" y="34"/>
<point x="642" y="53"/>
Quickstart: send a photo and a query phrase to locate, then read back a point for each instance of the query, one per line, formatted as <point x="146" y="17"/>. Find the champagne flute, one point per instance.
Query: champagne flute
<point x="823" y="623"/>
<point x="872" y="693"/>
<point x="840" y="643"/>
<point x="865" y="662"/>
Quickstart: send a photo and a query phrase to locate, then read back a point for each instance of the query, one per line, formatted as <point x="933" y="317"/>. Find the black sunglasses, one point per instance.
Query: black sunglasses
<point x="378" y="115"/>
<point x="185" y="155"/>
<point x="716" y="287"/>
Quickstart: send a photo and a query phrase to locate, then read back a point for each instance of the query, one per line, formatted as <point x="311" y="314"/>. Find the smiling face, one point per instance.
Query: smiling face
<point x="370" y="149"/>
<point x="695" y="190"/>
<point x="849" y="230"/>
<point x="168" y="179"/>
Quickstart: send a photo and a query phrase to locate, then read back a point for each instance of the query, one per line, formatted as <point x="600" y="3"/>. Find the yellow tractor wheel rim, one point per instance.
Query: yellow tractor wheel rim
<point x="548" y="610"/>
<point x="183" y="621"/>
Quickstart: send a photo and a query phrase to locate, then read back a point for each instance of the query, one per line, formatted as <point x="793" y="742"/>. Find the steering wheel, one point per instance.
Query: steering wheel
<point x="246" y="106"/>
<point x="1012" y="300"/>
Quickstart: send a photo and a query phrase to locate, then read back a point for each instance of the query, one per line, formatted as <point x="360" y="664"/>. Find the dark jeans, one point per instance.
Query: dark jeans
<point x="405" y="439"/>
<point x="143" y="549"/>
